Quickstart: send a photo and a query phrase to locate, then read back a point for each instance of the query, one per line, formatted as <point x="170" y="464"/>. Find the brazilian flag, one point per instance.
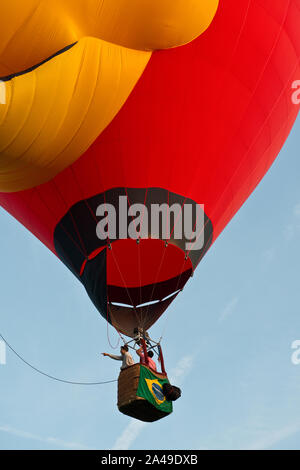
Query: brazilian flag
<point x="151" y="388"/>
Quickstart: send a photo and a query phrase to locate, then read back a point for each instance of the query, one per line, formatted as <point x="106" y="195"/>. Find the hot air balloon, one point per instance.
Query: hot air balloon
<point x="123" y="122"/>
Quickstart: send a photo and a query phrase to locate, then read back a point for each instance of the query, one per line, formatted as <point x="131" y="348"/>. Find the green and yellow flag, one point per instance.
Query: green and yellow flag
<point x="151" y="388"/>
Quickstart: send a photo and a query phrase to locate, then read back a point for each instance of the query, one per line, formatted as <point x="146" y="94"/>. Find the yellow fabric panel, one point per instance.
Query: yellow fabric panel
<point x="143" y="24"/>
<point x="54" y="113"/>
<point x="32" y="30"/>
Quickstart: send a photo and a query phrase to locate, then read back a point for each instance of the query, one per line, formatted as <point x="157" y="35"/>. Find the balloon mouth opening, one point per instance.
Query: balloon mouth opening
<point x="145" y="272"/>
<point x="143" y="278"/>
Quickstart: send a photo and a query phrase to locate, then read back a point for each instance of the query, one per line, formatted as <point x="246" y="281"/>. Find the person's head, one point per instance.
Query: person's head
<point x="150" y="354"/>
<point x="124" y="349"/>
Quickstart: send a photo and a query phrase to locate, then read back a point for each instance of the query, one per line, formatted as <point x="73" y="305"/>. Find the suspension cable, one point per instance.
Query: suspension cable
<point x="52" y="377"/>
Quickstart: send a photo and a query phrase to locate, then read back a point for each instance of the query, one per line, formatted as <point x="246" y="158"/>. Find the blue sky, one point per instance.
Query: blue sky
<point x="227" y="339"/>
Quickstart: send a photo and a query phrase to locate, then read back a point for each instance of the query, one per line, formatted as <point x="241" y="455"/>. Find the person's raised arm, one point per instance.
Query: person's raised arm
<point x="112" y="356"/>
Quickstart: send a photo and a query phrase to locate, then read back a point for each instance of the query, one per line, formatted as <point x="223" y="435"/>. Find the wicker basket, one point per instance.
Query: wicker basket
<point x="129" y="403"/>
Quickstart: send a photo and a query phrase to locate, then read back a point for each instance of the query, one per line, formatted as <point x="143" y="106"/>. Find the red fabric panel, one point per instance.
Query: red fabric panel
<point x="150" y="262"/>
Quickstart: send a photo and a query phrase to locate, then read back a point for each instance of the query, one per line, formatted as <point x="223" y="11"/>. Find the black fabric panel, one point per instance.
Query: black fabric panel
<point x="94" y="280"/>
<point x="13" y="75"/>
<point x="75" y="238"/>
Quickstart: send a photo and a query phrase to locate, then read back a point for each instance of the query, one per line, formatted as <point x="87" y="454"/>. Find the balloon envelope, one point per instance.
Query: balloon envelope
<point x="195" y="118"/>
